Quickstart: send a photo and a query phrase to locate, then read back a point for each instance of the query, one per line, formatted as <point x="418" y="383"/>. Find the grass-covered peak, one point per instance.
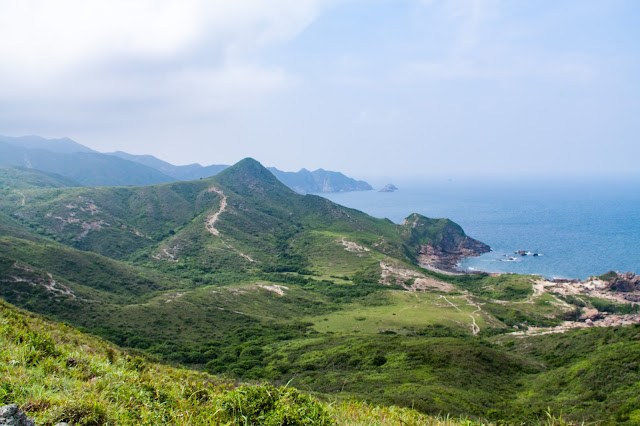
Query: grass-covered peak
<point x="422" y="230"/>
<point x="248" y="176"/>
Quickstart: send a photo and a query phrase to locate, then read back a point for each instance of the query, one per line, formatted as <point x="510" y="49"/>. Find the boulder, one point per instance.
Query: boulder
<point x="625" y="283"/>
<point x="10" y="415"/>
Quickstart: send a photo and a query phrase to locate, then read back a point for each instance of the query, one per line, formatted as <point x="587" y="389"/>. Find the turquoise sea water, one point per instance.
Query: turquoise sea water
<point x="580" y="227"/>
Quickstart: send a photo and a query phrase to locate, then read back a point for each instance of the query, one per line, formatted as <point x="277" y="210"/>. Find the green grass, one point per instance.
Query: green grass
<point x="56" y="374"/>
<point x="509" y="287"/>
<point x="399" y="311"/>
<point x="593" y="371"/>
<point x="447" y="374"/>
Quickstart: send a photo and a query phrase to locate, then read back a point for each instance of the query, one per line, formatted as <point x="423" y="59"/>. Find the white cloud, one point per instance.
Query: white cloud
<point x="46" y="36"/>
<point x="123" y="50"/>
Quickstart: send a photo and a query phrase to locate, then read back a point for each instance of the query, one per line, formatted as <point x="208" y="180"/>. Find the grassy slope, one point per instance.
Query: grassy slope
<point x="56" y="374"/>
<point x="111" y="221"/>
<point x="589" y="374"/>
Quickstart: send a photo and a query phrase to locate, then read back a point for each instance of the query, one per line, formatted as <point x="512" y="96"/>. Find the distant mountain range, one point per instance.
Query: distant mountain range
<point x="188" y="172"/>
<point x="91" y="168"/>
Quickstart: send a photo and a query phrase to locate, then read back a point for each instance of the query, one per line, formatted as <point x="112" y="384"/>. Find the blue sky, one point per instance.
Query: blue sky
<point x="371" y="88"/>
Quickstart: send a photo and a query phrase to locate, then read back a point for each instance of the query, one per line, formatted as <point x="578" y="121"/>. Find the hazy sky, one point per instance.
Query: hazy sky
<point x="368" y="87"/>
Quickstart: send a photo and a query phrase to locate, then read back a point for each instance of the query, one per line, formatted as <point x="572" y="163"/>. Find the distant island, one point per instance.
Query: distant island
<point x="87" y="167"/>
<point x="389" y="188"/>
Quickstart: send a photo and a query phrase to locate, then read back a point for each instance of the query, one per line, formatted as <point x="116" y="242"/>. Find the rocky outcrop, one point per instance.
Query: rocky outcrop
<point x="440" y="243"/>
<point x="624" y="283"/>
<point x="10" y="415"/>
<point x="527" y="253"/>
<point x="614" y="286"/>
<point x="447" y="256"/>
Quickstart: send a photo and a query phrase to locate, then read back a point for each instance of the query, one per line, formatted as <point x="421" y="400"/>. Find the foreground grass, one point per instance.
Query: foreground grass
<point x="55" y="373"/>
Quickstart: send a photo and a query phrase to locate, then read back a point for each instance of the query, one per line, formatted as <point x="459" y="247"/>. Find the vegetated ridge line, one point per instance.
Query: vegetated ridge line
<point x="211" y="220"/>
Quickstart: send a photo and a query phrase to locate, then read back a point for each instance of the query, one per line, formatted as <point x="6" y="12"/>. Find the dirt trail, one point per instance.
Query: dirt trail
<point x="449" y="302"/>
<point x="475" y="328"/>
<point x="211" y="220"/>
<point x="229" y="246"/>
<point x="24" y="198"/>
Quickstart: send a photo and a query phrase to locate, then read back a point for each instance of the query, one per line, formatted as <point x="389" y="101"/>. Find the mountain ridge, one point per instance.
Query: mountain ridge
<point x="87" y="168"/>
<point x="98" y="170"/>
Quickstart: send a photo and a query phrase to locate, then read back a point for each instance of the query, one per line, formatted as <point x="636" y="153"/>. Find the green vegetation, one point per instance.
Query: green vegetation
<point x="56" y="374"/>
<point x="593" y="371"/>
<point x="611" y="307"/>
<point x="286" y="288"/>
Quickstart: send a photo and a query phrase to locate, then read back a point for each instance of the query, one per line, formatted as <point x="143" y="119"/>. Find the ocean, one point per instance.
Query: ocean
<point x="579" y="227"/>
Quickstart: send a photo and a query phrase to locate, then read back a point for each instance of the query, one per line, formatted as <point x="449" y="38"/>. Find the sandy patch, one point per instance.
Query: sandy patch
<point x="278" y="289"/>
<point x="353" y="247"/>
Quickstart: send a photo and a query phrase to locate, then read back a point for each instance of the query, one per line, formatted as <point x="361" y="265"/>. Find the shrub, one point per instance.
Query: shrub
<point x="82" y="414"/>
<point x="267" y="405"/>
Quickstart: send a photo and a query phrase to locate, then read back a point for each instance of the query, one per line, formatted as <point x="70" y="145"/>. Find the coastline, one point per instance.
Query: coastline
<point x="619" y="289"/>
<point x="571" y="224"/>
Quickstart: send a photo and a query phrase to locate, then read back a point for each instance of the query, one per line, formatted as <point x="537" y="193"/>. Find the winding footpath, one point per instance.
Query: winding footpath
<point x="211" y="222"/>
<point x="475" y="329"/>
<point x="24" y="198"/>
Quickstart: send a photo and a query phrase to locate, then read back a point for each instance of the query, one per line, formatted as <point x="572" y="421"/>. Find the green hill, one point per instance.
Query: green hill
<point x="242" y="277"/>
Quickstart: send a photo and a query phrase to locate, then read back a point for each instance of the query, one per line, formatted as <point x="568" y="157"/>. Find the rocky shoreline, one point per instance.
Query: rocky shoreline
<point x="615" y="287"/>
